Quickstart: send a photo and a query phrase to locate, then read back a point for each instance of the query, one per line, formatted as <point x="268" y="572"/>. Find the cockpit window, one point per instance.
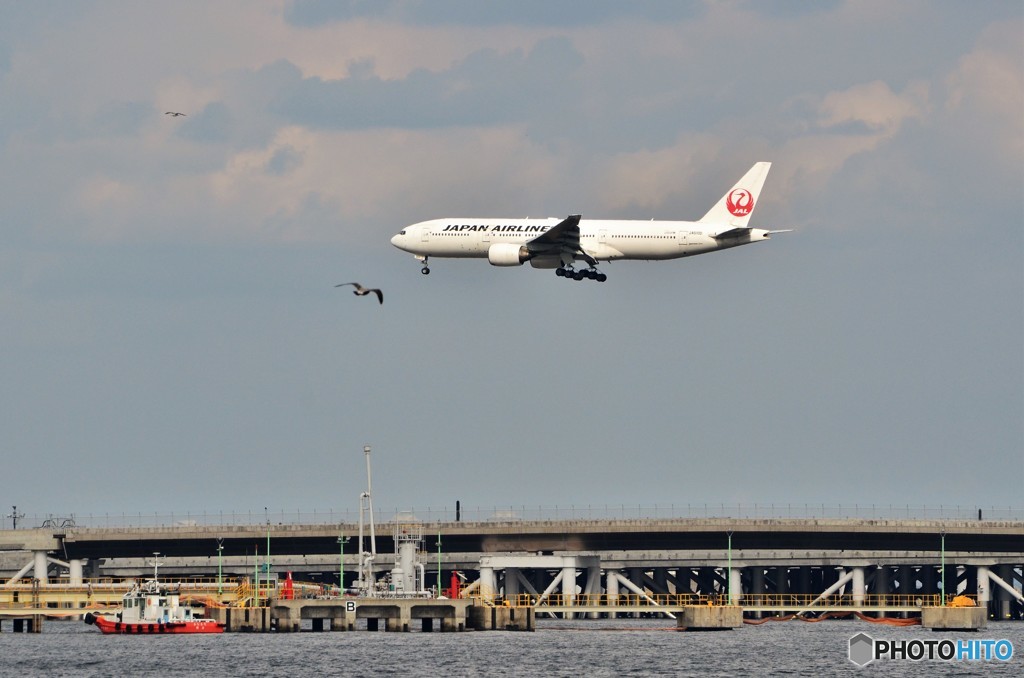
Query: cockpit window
<point x="402" y="232"/>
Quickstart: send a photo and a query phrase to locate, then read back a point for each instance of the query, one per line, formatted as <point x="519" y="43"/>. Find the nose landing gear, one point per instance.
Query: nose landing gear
<point x="426" y="269"/>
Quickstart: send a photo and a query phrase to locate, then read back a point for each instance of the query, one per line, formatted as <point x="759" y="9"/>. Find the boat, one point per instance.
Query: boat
<point x="151" y="608"/>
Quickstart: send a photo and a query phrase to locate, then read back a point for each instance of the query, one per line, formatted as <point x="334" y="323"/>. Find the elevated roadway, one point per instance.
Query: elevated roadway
<point x="994" y="538"/>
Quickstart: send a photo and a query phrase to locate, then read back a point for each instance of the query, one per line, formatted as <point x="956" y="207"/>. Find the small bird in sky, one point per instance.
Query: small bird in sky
<point x="361" y="291"/>
<point x="174" y="113"/>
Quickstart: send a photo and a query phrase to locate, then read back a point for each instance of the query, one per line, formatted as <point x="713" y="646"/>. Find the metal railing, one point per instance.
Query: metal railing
<point x="106" y="591"/>
<point x="513" y="514"/>
<point x="655" y="601"/>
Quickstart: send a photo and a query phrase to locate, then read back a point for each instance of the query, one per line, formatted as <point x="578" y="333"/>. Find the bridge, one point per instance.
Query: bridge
<point x="903" y="562"/>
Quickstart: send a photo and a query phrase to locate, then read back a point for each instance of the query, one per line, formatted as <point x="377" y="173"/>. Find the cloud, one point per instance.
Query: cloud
<point x="353" y="179"/>
<point x="122" y="118"/>
<point x="210" y="125"/>
<point x="874" y="106"/>
<point x="486" y="88"/>
<point x="985" y="92"/>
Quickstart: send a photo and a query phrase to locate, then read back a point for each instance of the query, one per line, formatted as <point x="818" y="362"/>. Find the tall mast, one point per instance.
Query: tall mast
<point x="369" y="500"/>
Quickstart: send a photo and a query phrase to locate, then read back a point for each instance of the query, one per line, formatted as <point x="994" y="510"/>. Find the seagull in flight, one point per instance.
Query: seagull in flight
<point x="173" y="113"/>
<point x="361" y="291"/>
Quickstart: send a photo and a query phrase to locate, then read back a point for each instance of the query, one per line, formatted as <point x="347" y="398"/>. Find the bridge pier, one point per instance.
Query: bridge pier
<point x="706" y="581"/>
<point x="757" y="585"/>
<point x="710" y="618"/>
<point x="612" y="590"/>
<point x="569" y="584"/>
<point x="804" y="580"/>
<point x="42" y="564"/>
<point x="488" y="583"/>
<point x="953" y="618"/>
<point x="857" y="586"/>
<point x="905" y="584"/>
<point x="398" y="614"/>
<point x="926" y="573"/>
<point x="511" y="582"/>
<point x="636" y="575"/>
<point x="781" y="577"/>
<point x="30" y="624"/>
<point x="984" y="587"/>
<point x="1002" y="595"/>
<point x="735" y="589"/>
<point x="660" y="577"/>
<point x="881" y="586"/>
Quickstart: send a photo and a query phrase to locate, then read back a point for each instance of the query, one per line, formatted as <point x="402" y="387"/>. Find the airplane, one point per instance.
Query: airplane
<point x="558" y="244"/>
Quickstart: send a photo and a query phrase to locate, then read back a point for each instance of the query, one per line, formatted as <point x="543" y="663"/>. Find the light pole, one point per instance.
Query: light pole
<point x="942" y="565"/>
<point x="728" y="587"/>
<point x="266" y="561"/>
<point x="220" y="567"/>
<point x="14" y="515"/>
<point x="438" y="565"/>
<point x="342" y="540"/>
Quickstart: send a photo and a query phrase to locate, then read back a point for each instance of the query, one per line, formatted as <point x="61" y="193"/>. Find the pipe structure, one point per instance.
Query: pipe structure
<point x="369" y="497"/>
<point x="551" y="587"/>
<point x="21" y="573"/>
<point x="530" y="588"/>
<point x="830" y="590"/>
<point x="639" y="591"/>
<point x="995" y="579"/>
<point x="423" y="577"/>
<point x="366" y="559"/>
<point x="593" y="586"/>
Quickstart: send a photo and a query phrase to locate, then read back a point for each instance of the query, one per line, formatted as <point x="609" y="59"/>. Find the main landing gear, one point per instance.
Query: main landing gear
<point x="590" y="273"/>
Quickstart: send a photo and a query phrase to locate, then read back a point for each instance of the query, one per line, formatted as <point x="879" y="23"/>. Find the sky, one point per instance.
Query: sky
<point x="172" y="339"/>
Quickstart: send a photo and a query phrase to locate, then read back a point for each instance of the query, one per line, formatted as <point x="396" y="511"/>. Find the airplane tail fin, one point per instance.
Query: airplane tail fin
<point x="736" y="206"/>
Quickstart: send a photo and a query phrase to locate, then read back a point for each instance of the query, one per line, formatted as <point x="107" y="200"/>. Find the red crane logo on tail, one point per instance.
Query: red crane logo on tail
<point x="740" y="203"/>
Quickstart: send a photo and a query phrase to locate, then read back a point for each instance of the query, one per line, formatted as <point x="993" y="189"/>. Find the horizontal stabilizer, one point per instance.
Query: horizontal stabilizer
<point x="733" y="233"/>
<point x="742" y="232"/>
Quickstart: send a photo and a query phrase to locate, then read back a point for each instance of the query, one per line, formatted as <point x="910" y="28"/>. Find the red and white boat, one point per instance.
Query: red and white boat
<point x="150" y="608"/>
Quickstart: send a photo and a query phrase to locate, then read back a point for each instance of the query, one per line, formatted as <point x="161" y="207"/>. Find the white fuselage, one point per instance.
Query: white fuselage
<point x="604" y="240"/>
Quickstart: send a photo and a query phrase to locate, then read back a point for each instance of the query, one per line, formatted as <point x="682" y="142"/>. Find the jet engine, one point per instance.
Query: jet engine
<point x="507" y="254"/>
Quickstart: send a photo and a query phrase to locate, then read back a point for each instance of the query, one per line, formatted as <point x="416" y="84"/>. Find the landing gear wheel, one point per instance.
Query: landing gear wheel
<point x="578" y="275"/>
<point x="560" y="272"/>
<point x="425" y="271"/>
<point x="601" y="277"/>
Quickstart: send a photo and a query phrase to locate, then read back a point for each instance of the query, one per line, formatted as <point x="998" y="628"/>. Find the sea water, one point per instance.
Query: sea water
<point x="643" y="647"/>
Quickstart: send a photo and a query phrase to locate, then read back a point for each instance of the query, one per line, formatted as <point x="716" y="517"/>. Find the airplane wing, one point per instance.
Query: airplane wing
<point x="562" y="239"/>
